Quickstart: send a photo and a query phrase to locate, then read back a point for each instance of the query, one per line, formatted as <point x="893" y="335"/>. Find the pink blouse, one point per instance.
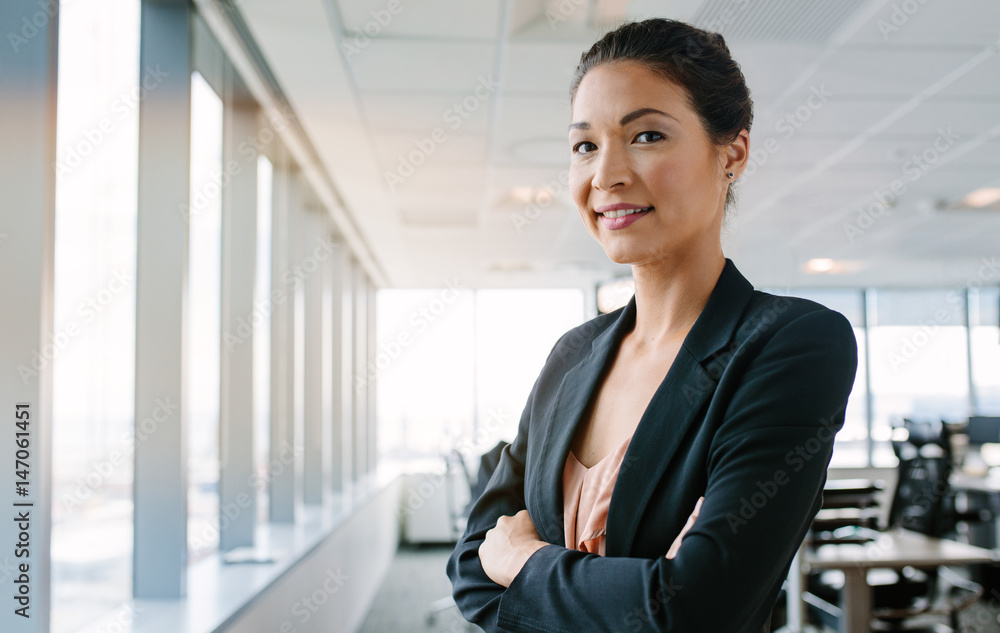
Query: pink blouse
<point x="587" y="497"/>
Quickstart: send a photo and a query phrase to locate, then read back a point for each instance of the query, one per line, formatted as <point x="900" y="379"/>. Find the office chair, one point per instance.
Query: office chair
<point x="488" y="463"/>
<point x="921" y="503"/>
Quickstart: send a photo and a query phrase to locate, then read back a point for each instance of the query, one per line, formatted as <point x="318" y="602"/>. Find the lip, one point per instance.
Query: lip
<point x="615" y="224"/>
<point x="618" y="207"/>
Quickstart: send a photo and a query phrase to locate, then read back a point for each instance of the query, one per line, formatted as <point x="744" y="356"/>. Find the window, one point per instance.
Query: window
<point x="204" y="278"/>
<point x="94" y="374"/>
<point x="424" y="367"/>
<point x="919" y="361"/>
<point x="454" y="368"/>
<point x="515" y="330"/>
<point x="262" y="331"/>
<point x="984" y="345"/>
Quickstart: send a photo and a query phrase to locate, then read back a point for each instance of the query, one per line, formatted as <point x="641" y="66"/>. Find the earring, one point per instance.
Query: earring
<point x="730" y="174"/>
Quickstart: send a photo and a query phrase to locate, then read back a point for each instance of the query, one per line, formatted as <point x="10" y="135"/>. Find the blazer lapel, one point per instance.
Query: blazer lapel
<point x="571" y="401"/>
<point x="674" y="408"/>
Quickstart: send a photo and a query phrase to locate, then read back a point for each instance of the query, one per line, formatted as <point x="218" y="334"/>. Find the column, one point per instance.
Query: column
<point x="282" y="458"/>
<point x="160" y="488"/>
<point x="317" y="251"/>
<point x="372" y="382"/>
<point x="348" y="360"/>
<point x="237" y="498"/>
<point x="360" y="374"/>
<point x="27" y="243"/>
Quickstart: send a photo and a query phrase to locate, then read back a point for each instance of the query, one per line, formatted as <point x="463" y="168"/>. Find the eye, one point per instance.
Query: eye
<point x="648" y="137"/>
<point x="584" y="147"/>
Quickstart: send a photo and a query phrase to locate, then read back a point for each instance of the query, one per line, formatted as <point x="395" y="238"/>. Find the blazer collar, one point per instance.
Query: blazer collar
<point x="662" y="426"/>
<point x="711" y="331"/>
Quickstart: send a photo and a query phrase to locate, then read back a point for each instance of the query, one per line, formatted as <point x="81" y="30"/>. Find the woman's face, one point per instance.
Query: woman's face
<point x="639" y="148"/>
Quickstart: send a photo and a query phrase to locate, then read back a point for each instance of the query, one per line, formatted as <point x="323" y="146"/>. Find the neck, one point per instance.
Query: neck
<point x="670" y="294"/>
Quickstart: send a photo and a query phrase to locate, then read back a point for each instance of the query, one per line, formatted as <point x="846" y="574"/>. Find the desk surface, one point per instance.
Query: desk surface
<point x="896" y="548"/>
<point x="961" y="481"/>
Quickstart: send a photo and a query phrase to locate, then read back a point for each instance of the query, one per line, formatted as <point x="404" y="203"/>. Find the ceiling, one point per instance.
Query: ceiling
<point x="442" y="125"/>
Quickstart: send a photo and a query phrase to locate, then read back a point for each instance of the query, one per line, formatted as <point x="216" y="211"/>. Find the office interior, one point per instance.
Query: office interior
<point x="278" y="274"/>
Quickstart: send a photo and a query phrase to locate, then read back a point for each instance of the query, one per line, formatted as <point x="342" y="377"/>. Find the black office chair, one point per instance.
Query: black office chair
<point x="922" y="502"/>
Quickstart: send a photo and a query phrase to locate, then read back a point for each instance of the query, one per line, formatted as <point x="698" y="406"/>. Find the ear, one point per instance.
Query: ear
<point x="735" y="155"/>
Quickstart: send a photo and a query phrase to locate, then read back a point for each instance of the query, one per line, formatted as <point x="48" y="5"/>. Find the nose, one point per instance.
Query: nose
<point x="613" y="169"/>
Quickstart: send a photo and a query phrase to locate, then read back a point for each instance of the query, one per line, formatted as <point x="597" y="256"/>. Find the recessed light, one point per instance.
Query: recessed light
<point x="981" y="198"/>
<point x="820" y="265"/>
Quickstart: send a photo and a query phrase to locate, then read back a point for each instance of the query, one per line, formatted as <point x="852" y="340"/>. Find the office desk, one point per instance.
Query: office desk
<point x="978" y="495"/>
<point x="893" y="549"/>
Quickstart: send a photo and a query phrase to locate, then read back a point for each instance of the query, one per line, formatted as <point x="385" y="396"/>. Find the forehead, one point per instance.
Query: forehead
<point x="611" y="90"/>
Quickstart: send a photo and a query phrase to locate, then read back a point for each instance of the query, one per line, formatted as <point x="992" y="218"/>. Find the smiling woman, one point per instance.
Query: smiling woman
<point x="620" y="505"/>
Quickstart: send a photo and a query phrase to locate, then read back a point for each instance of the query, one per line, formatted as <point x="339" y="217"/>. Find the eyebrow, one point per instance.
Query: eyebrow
<point x="625" y="120"/>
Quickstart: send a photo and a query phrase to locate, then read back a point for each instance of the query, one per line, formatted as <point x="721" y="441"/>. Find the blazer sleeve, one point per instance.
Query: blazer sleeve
<point x="765" y="474"/>
<point x="476" y="595"/>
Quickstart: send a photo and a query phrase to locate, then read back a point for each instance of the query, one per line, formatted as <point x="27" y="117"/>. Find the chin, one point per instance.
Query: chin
<point x="622" y="254"/>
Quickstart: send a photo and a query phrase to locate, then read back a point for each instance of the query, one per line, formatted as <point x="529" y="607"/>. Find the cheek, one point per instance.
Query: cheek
<point x="579" y="185"/>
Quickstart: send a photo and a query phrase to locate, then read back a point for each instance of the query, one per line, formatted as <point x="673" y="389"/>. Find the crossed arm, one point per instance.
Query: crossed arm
<point x="778" y="428"/>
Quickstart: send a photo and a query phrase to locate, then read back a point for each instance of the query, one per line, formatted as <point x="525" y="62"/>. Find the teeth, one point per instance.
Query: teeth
<point x="623" y="212"/>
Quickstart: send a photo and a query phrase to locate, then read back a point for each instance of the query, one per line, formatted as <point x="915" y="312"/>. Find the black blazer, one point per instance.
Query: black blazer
<point x="745" y="417"/>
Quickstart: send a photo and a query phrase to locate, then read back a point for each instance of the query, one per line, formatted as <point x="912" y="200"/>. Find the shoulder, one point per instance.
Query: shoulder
<point x="776" y="317"/>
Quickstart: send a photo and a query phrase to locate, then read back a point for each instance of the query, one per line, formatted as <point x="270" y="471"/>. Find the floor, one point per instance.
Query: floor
<point x="417" y="580"/>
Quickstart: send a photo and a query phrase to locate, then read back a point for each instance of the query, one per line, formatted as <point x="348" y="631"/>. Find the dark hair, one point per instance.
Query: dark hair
<point x="697" y="60"/>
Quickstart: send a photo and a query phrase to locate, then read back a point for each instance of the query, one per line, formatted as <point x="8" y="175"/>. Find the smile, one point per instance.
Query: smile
<point x="615" y="219"/>
<point x="623" y="212"/>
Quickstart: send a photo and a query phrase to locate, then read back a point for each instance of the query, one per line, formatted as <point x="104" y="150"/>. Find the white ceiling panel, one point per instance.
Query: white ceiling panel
<point x="964" y="119"/>
<point x="421" y="113"/>
<point x="540" y="67"/>
<point x="930" y="23"/>
<point x="901" y="71"/>
<point x="466" y="69"/>
<point x="521" y="119"/>
<point x="455" y="149"/>
<point x="444" y="19"/>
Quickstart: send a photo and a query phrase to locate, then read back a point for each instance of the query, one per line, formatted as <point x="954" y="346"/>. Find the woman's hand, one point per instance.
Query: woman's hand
<point x="508" y="546"/>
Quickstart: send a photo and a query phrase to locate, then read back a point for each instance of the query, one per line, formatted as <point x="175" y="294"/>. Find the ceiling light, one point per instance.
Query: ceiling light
<point x="982" y="197"/>
<point x="522" y="194"/>
<point x="820" y="265"/>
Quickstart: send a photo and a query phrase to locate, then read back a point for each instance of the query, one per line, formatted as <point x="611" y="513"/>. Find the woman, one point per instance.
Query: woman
<point x="705" y="410"/>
